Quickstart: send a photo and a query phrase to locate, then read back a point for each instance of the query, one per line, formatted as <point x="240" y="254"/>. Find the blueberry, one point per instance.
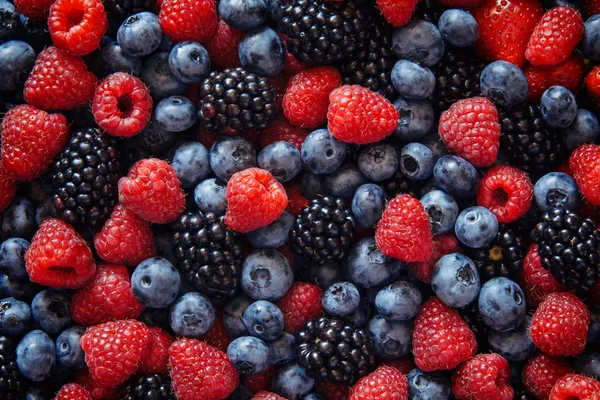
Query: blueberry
<point x="442" y="210"/>
<point x="412" y="80"/>
<point x="368" y="204"/>
<point x="153" y="139"/>
<point x="428" y="386"/>
<point x="157" y="75"/>
<point x="264" y="320"/>
<point x="456" y="176"/>
<point x="556" y="189"/>
<point x="191" y="315"/>
<point x="51" y="309"/>
<point x="12" y="258"/>
<point x="313" y="396"/>
<point x="416" y="118"/>
<point x="458" y="27"/>
<point x="502" y="304"/>
<point x="399" y="301"/>
<point x="504" y="83"/>
<point x="590" y="43"/>
<point x="584" y="129"/>
<point x="19" y="219"/>
<point x="274" y="235"/>
<point x="594" y="328"/>
<point x="391" y="339"/>
<point x="476" y="227"/>
<point x="209" y="196"/>
<point x="515" y="345"/>
<point x="368" y="266"/>
<point x="416" y="161"/>
<point x="281" y="159"/>
<point x="322" y="153"/>
<point x="325" y="275"/>
<point x="455" y="280"/>
<point x="274" y="10"/>
<point x="15" y="317"/>
<point x="360" y="317"/>
<point x="283" y="349"/>
<point x="437" y="147"/>
<point x="36" y="355"/>
<point x="312" y="185"/>
<point x="262" y="52"/>
<point x="68" y="350"/>
<point x="243" y="14"/>
<point x="558" y="106"/>
<point x="10" y="22"/>
<point x="249" y="355"/>
<point x="266" y="275"/>
<point x="22" y="290"/>
<point x="292" y="382"/>
<point x="419" y="41"/>
<point x="231" y="154"/>
<point x="175" y="114"/>
<point x="378" y="161"/>
<point x="37" y="393"/>
<point x="189" y="62"/>
<point x="155" y="282"/>
<point x="116" y="60"/>
<point x="232" y="315"/>
<point x="344" y="181"/>
<point x="191" y="164"/>
<point x="140" y="34"/>
<point x="340" y="299"/>
<point x="17" y="60"/>
<point x="588" y="363"/>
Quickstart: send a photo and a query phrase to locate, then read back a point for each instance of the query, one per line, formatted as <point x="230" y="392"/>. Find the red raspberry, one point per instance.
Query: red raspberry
<point x="59" y="81"/>
<point x="264" y="395"/>
<point x="585" y="165"/>
<point x="113" y="350"/>
<point x="404" y="231"/>
<point x="536" y="281"/>
<point x="122" y="105"/>
<point x="72" y="391"/>
<point x="301" y="303"/>
<point x="397" y="12"/>
<point x="555" y="36"/>
<point x="441" y="338"/>
<point x="217" y="335"/>
<point x="85" y="379"/>
<point x="506" y="191"/>
<point x="383" y="383"/>
<point x="58" y="257"/>
<point x="470" y="129"/>
<point x="541" y="373"/>
<point x="107" y="297"/>
<point x="307" y="96"/>
<point x="25" y="152"/>
<point x="223" y="46"/>
<point x="8" y="188"/>
<point x="194" y="20"/>
<point x="443" y="244"/>
<point x="254" y="199"/>
<point x="483" y="377"/>
<point x="200" y="371"/>
<point x="403" y="364"/>
<point x="36" y="9"/>
<point x="559" y="326"/>
<point x="282" y="129"/>
<point x="151" y="190"/>
<point x="260" y="382"/>
<point x="296" y="200"/>
<point x="77" y="26"/>
<point x="575" y="387"/>
<point x="332" y="391"/>
<point x="568" y="73"/>
<point x="465" y="4"/>
<point x="156" y="359"/>
<point x="592" y="85"/>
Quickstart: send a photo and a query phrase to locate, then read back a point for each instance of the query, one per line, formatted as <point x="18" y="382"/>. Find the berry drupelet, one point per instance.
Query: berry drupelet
<point x="12" y="383"/>
<point x="155" y="386"/>
<point x="399" y="183"/>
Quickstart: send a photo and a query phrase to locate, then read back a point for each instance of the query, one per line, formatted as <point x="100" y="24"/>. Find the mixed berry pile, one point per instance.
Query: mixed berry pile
<point x="299" y="199"/>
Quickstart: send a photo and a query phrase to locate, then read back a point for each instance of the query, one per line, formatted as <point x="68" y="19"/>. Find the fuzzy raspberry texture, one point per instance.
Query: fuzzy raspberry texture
<point x="575" y="387"/>
<point x="222" y="47"/>
<point x="542" y="371"/>
<point x="260" y="382"/>
<point x="560" y="324"/>
<point x="506" y="191"/>
<point x="31" y="138"/>
<point x="152" y="190"/>
<point x="156" y="358"/>
<point x="301" y="303"/>
<point x="122" y="105"/>
<point x="483" y="377"/>
<point x="254" y="199"/>
<point x="383" y="383"/>
<point x="36" y="9"/>
<point x="282" y="129"/>
<point x="194" y="20"/>
<point x="85" y="380"/>
<point x="470" y="129"/>
<point x="332" y="390"/>
<point x="72" y="391"/>
<point x="125" y="238"/>
<point x="397" y="12"/>
<point x="443" y="244"/>
<point x="264" y="395"/>
<point x="536" y="281"/>
<point x="8" y="188"/>
<point x="465" y="4"/>
<point x="113" y="350"/>
<point x="200" y="371"/>
<point x="296" y="199"/>
<point x="555" y="36"/>
<point x="568" y="73"/>
<point x="217" y="335"/>
<point x="358" y="115"/>
<point x="77" y="26"/>
<point x="59" y="257"/>
<point x="107" y="297"/>
<point x="59" y="81"/>
<point x="441" y="338"/>
<point x="404" y="231"/>
<point x="585" y="165"/>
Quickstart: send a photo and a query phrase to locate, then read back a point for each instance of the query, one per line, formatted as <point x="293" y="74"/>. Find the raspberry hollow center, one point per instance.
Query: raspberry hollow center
<point x="125" y="105"/>
<point x="74" y="18"/>
<point x="500" y="197"/>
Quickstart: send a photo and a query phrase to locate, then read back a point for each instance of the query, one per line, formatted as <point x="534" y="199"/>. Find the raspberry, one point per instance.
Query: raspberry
<point x="296" y="200"/>
<point x="483" y="377"/>
<point x="58" y="257"/>
<point x="537" y="281"/>
<point x="72" y="391"/>
<point x="217" y="335"/>
<point x="358" y="115"/>
<point x="223" y="46"/>
<point x="194" y="20"/>
<point x="441" y="339"/>
<point x="592" y="85"/>
<point x="282" y="129"/>
<point x="122" y="105"/>
<point x="264" y="395"/>
<point x="559" y="326"/>
<point x="443" y="244"/>
<point x="404" y="231"/>
<point x="397" y="12"/>
<point x="77" y="26"/>
<point x="200" y="371"/>
<point x="332" y="390"/>
<point x="568" y="73"/>
<point x="254" y="199"/>
<point x="36" y="9"/>
<point x="156" y="358"/>
<point x="307" y="96"/>
<point x="383" y="383"/>
<point x="260" y="382"/>
<point x="506" y="191"/>
<point x="301" y="303"/>
<point x="85" y="379"/>
<point x="59" y="81"/>
<point x="555" y="36"/>
<point x="470" y="129"/>
<point x="113" y="350"/>
<point x="8" y="188"/>
<point x="151" y="190"/>
<point x="575" y="387"/>
<point x="108" y="296"/>
<point x="26" y="153"/>
<point x="541" y="373"/>
<point x="585" y="165"/>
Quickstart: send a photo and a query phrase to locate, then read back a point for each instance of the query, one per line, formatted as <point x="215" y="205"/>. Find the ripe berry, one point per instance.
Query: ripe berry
<point x="383" y="382"/>
<point x="575" y="386"/>
<point x="301" y="303"/>
<point x="72" y="391"/>
<point x="585" y="165"/>
<point x="194" y="20"/>
<point x="485" y="376"/>
<point x="541" y="373"/>
<point x="77" y="26"/>
<point x="506" y="191"/>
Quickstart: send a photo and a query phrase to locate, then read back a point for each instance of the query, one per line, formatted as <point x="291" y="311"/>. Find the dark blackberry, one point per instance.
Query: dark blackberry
<point x="569" y="246"/>
<point x="208" y="254"/>
<point x="335" y="351"/>
<point x="399" y="183"/>
<point x="323" y="231"/>
<point x="36" y="33"/>
<point x="124" y="8"/>
<point x="10" y="23"/>
<point x="235" y="99"/>
<point x="155" y="387"/>
<point x="12" y="383"/>
<point x="470" y="314"/>
<point x="85" y="178"/>
<point x="428" y="10"/>
<point x="523" y="394"/>
<point x="324" y="32"/>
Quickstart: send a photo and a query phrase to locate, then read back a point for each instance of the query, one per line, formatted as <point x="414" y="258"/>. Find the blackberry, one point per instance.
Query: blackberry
<point x="124" y="8"/>
<point x="470" y="314"/>
<point x="155" y="386"/>
<point x="569" y="246"/>
<point x="12" y="383"/>
<point x="235" y="99"/>
<point x="324" y="32"/>
<point x="335" y="351"/>
<point x="36" y="33"/>
<point x="323" y="231"/>
<point x="428" y="10"/>
<point x="85" y="178"/>
<point x="208" y="254"/>
<point x="399" y="183"/>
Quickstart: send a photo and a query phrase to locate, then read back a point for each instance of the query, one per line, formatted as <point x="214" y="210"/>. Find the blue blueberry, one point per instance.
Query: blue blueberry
<point x="274" y="235"/>
<point x="515" y="345"/>
<point x="313" y="396"/>
<point x="249" y="355"/>
<point x="455" y="280"/>
<point x="442" y="210"/>
<point x="391" y="339"/>
<point x="51" y="309"/>
<point x="274" y="10"/>
<point x="140" y="34"/>
<point x="368" y="266"/>
<point x="281" y="159"/>
<point x="584" y="129"/>
<point x="456" y="176"/>
<point x="22" y="290"/>
<point x="157" y="75"/>
<point x="322" y="153"/>
<point x="292" y="382"/>
<point x="416" y="161"/>
<point x="175" y="114"/>
<point x="189" y="62"/>
<point x="9" y="28"/>
<point x="191" y="164"/>
<point x="15" y="317"/>
<point x="344" y="181"/>
<point x="12" y="258"/>
<point x="191" y="315"/>
<point x="243" y="14"/>
<point x="37" y="393"/>
<point x="312" y="185"/>
<point x="504" y="83"/>
<point x="17" y="60"/>
<point x="476" y="227"/>
<point x="416" y="119"/>
<point x="262" y="52"/>
<point x="19" y="219"/>
<point x="283" y="349"/>
<point x="428" y="386"/>
<point x="368" y="204"/>
<point x="209" y="196"/>
<point x="556" y="189"/>
<point x="590" y="43"/>
<point x="458" y="27"/>
<point x="437" y="147"/>
<point x="378" y="161"/>
<point x="68" y="350"/>
<point x="360" y="317"/>
<point x="232" y="315"/>
<point x="45" y="210"/>
<point x="558" y="106"/>
<point x="588" y="363"/>
<point x="502" y="304"/>
<point x="419" y="41"/>
<point x="36" y="355"/>
<point x="116" y="60"/>
<point x="155" y="282"/>
<point x="340" y="299"/>
<point x="231" y="154"/>
<point x="264" y="320"/>
<point x="266" y="275"/>
<point x="594" y="328"/>
<point x="412" y="80"/>
<point x="325" y="275"/>
<point x="152" y="139"/>
<point x="399" y="301"/>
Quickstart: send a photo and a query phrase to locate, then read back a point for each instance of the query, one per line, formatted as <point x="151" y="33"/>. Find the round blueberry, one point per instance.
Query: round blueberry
<point x="262" y="52"/>
<point x="17" y="60"/>
<point x="456" y="176"/>
<point x="378" y="161"/>
<point x="368" y="266"/>
<point x="51" y="309"/>
<point x="274" y="235"/>
<point x="360" y="317"/>
<point x="325" y="275"/>
<point x="266" y="275"/>
<point x="281" y="159"/>
<point x="243" y="14"/>
<point x="12" y="258"/>
<point x="209" y="196"/>
<point x="502" y="304"/>
<point x="594" y="328"/>
<point x="416" y="161"/>
<point x="322" y="153"/>
<point x="504" y="83"/>
<point x="515" y="345"/>
<point x="175" y="114"/>
<point x="155" y="282"/>
<point x="191" y="315"/>
<point x="116" y="60"/>
<point x="68" y="350"/>
<point x="344" y="181"/>
<point x="292" y="382"/>
<point x="157" y="75"/>
<point x="340" y="299"/>
<point x="22" y="290"/>
<point x="189" y="62"/>
<point x="419" y="41"/>
<point x="437" y="147"/>
<point x="368" y="204"/>
<point x="19" y="219"/>
<point x="15" y="317"/>
<point x="412" y="80"/>
<point x="264" y="320"/>
<point x="590" y="43"/>
<point x="455" y="280"/>
<point x="587" y="363"/>
<point x="442" y="210"/>
<point x="458" y="27"/>
<point x="312" y="185"/>
<point x="191" y="164"/>
<point x="9" y="28"/>
<point x="556" y="189"/>
<point x="140" y="34"/>
<point x="559" y="107"/>
<point x="232" y="315"/>
<point x="476" y="227"/>
<point x="152" y="139"/>
<point x="283" y="349"/>
<point x="416" y="119"/>
<point x="249" y="355"/>
<point x="391" y="339"/>
<point x="428" y="386"/>
<point x="399" y="301"/>
<point x="36" y="356"/>
<point x="584" y="129"/>
<point x="231" y="154"/>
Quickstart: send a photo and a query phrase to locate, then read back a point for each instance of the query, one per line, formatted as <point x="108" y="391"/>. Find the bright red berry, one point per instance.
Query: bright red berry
<point x="483" y="377"/>
<point x="282" y="129"/>
<point x="156" y="359"/>
<point x="77" y="26"/>
<point x="151" y="190"/>
<point x="537" y="281"/>
<point x="194" y="20"/>
<point x="542" y="371"/>
<point x="301" y="303"/>
<point x="72" y="391"/>
<point x="506" y="191"/>
<point x="222" y="47"/>
<point x="383" y="383"/>
<point x="470" y="129"/>
<point x="8" y="188"/>
<point x="217" y="335"/>
<point x="441" y="339"/>
<point x="585" y="165"/>
<point x="264" y="395"/>
<point x="592" y="85"/>
<point x="36" y="9"/>
<point x="397" y="12"/>
<point x="31" y="138"/>
<point x="443" y="244"/>
<point x="85" y="380"/>
<point x="296" y="200"/>
<point x="575" y="387"/>
<point x="260" y="382"/>
<point x="568" y="73"/>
